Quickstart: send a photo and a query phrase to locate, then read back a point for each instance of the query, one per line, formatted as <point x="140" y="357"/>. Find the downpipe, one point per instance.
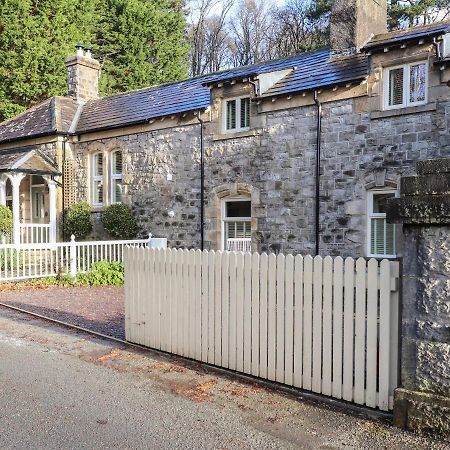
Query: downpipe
<point x="317" y="171"/>
<point x="202" y="185"/>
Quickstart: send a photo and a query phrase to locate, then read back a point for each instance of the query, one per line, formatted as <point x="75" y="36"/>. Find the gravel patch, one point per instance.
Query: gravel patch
<point x="100" y="309"/>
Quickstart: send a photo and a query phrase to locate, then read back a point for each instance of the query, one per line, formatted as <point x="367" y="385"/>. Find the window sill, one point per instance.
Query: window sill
<point x="233" y="135"/>
<point x="403" y="111"/>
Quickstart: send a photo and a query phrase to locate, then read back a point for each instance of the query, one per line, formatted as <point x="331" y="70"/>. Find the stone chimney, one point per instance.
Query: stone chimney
<point x="83" y="75"/>
<point x="354" y="22"/>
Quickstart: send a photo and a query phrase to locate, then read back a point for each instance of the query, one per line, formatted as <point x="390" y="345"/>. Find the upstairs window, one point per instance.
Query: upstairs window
<point x="97" y="179"/>
<point x="237" y="114"/>
<point x="381" y="235"/>
<point x="116" y="177"/>
<point x="406" y="85"/>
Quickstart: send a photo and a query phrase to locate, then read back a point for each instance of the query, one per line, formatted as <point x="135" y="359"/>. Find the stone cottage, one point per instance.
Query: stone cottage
<point x="294" y="155"/>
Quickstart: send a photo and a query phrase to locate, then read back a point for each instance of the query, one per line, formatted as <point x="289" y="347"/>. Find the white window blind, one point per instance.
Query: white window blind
<point x="237" y="220"/>
<point x="97" y="179"/>
<point x="237" y="112"/>
<point x="381" y="234"/>
<point x="406" y="85"/>
<point x="116" y="177"/>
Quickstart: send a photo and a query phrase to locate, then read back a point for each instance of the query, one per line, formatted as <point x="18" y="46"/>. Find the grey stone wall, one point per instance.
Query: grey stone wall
<point x="276" y="159"/>
<point x="423" y="401"/>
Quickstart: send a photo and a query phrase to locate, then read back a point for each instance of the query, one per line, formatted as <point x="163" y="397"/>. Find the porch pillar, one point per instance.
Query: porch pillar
<point x="52" y="185"/>
<point x="3" y="179"/>
<point x="16" y="179"/>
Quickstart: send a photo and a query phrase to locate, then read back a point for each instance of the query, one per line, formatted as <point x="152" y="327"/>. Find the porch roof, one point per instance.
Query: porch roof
<point x="27" y="160"/>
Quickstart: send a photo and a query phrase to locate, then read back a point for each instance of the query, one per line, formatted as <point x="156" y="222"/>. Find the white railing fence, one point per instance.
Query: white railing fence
<point x="325" y="325"/>
<point x="239" y="245"/>
<point x="34" y="233"/>
<point x="26" y="261"/>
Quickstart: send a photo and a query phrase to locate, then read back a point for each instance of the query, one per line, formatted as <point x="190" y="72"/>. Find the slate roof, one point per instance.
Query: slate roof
<point x="310" y="70"/>
<point x="145" y="104"/>
<point x="49" y="117"/>
<point x="8" y="158"/>
<point x="396" y="38"/>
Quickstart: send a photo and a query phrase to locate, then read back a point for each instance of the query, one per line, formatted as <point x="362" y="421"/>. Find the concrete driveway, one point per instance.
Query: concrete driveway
<point x="64" y="389"/>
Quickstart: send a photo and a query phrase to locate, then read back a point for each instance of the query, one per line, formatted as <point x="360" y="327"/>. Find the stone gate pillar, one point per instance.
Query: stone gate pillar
<point x="422" y="403"/>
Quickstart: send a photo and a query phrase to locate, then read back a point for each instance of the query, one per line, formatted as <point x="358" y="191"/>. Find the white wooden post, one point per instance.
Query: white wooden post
<point x="52" y="201"/>
<point x="73" y="256"/>
<point x="16" y="179"/>
<point x="149" y="241"/>
<point x="3" y="190"/>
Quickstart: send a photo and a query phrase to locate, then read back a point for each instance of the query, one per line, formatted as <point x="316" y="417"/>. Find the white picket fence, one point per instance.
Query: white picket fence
<point x="26" y="261"/>
<point x="324" y="325"/>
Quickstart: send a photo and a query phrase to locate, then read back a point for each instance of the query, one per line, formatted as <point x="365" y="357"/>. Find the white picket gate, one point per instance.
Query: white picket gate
<point x="325" y="325"/>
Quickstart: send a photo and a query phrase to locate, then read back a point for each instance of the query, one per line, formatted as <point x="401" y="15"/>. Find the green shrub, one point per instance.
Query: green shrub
<point x="119" y="222"/>
<point x="78" y="221"/>
<point x="103" y="273"/>
<point x="6" y="221"/>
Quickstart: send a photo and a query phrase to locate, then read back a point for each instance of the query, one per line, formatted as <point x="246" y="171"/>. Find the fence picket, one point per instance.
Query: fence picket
<point x="255" y="315"/>
<point x="263" y="315"/>
<point x="280" y="319"/>
<point x="218" y="309"/>
<point x="298" y="321"/>
<point x="289" y="321"/>
<point x="338" y="310"/>
<point x="385" y="318"/>
<point x="327" y="319"/>
<point x="317" y="325"/>
<point x="271" y="318"/>
<point x="349" y="284"/>
<point x="360" y="331"/>
<point x="225" y="308"/>
<point x="371" y="338"/>
<point x="307" y="322"/>
<point x="240" y="312"/>
<point x="247" y="338"/>
<point x="211" y="305"/>
<point x="204" y="323"/>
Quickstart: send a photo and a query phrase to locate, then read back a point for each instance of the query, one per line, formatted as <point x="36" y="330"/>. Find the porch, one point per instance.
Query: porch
<point x="28" y="187"/>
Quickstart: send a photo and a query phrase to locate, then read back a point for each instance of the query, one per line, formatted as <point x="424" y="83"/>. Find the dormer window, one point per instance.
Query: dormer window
<point x="406" y="85"/>
<point x="237" y="114"/>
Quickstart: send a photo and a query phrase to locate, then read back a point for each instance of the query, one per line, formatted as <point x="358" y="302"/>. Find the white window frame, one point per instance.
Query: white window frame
<point x="406" y="85"/>
<point x="226" y="219"/>
<point x="238" y="114"/>
<point x="371" y="215"/>
<point x="95" y="178"/>
<point x="114" y="176"/>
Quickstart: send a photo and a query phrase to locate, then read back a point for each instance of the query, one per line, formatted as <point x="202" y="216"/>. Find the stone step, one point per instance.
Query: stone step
<point x="430" y="184"/>
<point x="433" y="166"/>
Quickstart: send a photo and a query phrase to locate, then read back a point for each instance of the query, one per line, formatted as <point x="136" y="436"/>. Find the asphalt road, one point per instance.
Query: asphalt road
<point x="67" y="390"/>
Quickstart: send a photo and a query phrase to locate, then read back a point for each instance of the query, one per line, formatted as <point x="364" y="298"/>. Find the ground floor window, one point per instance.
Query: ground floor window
<point x="237" y="219"/>
<point x="381" y="235"/>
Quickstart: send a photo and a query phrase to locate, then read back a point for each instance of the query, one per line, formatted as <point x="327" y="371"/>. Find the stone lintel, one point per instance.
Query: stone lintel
<point x="433" y="166"/>
<point x="434" y="184"/>
<point x="422" y="412"/>
<point x="425" y="209"/>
